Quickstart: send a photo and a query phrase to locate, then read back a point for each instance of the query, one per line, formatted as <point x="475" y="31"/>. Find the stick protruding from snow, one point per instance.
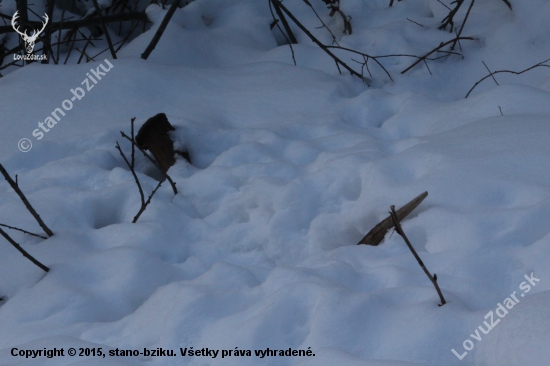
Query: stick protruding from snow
<point x="23" y="251"/>
<point x="27" y="204"/>
<point x="160" y="30"/>
<point x="400" y="231"/>
<point x="131" y="165"/>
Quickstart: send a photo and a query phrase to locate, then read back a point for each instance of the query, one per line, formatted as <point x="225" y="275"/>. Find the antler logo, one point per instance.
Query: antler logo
<point x="29" y="40"/>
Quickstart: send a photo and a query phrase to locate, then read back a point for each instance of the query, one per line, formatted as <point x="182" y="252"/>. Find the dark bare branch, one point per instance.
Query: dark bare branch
<point x="276" y="23"/>
<point x="172" y="183"/>
<point x="145" y="204"/>
<point x="104" y="28"/>
<point x="47" y="40"/>
<point x="449" y="19"/>
<point x="463" y="24"/>
<point x="160" y="30"/>
<point x="142" y="196"/>
<point x="491" y="75"/>
<point x="322" y="46"/>
<point x="435" y="50"/>
<point x="23" y="231"/>
<point x="14" y="185"/>
<point x="23" y="251"/>
<point x="400" y="231"/>
<point x="283" y="20"/>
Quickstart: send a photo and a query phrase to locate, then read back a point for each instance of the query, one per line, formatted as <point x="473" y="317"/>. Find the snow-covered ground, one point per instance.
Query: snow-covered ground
<point x="292" y="165"/>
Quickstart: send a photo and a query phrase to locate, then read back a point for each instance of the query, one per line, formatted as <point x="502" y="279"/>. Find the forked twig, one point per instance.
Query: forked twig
<point x="152" y="160"/>
<point x="15" y="186"/>
<point x="321" y="45"/>
<point x="23" y="251"/>
<point x="448" y="20"/>
<point x="146" y="203"/>
<point x="131" y="165"/>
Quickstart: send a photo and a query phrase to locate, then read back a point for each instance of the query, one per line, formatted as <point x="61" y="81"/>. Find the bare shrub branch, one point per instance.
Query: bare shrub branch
<point x="435" y="50"/>
<point x="160" y="30"/>
<point x="449" y="19"/>
<point x="23" y="251"/>
<point x="276" y="23"/>
<point x="23" y="231"/>
<point x="152" y="160"/>
<point x="131" y="165"/>
<point x="491" y="74"/>
<point x="289" y="35"/>
<point x="321" y="45"/>
<point x="104" y="28"/>
<point x="15" y="186"/>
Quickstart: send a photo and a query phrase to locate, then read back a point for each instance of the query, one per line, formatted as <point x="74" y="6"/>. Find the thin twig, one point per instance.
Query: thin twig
<point x="133" y="139"/>
<point x="71" y="47"/>
<point x="131" y="165"/>
<point x="400" y="231"/>
<point x="439" y="1"/>
<point x="23" y="231"/>
<point x="448" y="20"/>
<point x="276" y="23"/>
<point x="490" y="73"/>
<point x="105" y="30"/>
<point x="425" y="63"/>
<point x="142" y="196"/>
<point x="367" y="56"/>
<point x="127" y="36"/>
<point x="281" y="16"/>
<point x="83" y="52"/>
<point x="435" y="50"/>
<point x="23" y="251"/>
<point x="160" y="29"/>
<point x="322" y="46"/>
<point x="145" y="204"/>
<point x="412" y="21"/>
<point x="540" y="64"/>
<point x="463" y="24"/>
<point x="48" y="33"/>
<point x="57" y="58"/>
<point x="334" y="41"/>
<point x="27" y="204"/>
<point x="152" y="160"/>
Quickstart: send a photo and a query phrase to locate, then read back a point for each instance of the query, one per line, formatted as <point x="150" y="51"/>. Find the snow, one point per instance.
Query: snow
<point x="292" y="166"/>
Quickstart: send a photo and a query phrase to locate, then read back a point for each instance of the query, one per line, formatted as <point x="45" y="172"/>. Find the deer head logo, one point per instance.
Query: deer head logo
<point x="29" y="40"/>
